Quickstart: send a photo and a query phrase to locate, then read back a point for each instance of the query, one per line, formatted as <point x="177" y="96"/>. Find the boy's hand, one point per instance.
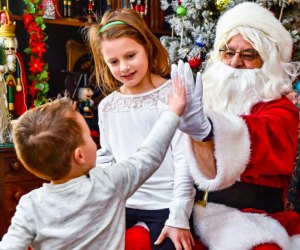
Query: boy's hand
<point x="177" y="99"/>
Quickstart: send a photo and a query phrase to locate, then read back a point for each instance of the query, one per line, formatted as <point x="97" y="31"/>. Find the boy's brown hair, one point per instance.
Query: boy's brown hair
<point x="45" y="138"/>
<point x="133" y="27"/>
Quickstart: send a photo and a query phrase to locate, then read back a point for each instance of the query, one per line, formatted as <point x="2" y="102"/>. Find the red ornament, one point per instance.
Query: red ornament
<point x="137" y="8"/>
<point x="195" y="62"/>
<point x="94" y="133"/>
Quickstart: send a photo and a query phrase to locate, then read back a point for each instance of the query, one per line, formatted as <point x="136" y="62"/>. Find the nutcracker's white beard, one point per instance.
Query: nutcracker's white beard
<point x="226" y="89"/>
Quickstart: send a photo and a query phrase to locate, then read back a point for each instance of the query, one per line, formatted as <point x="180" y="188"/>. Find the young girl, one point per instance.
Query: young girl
<point x="131" y="63"/>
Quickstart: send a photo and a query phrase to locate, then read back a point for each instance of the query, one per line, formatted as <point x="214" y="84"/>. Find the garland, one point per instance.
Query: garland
<point x="35" y="26"/>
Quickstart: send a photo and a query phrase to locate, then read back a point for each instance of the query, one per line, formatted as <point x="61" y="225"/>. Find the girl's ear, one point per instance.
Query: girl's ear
<point x="79" y="156"/>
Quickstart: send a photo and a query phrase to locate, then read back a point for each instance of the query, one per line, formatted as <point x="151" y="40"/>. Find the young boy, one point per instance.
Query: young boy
<point x="83" y="207"/>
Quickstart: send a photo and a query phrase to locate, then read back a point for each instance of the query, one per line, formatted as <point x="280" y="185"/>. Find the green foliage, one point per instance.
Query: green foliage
<point x="3" y="56"/>
<point x="39" y="75"/>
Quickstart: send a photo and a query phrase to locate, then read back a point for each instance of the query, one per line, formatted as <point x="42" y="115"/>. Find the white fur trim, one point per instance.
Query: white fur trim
<point x="253" y="15"/>
<point x="232" y="152"/>
<point x="141" y="224"/>
<point x="295" y="242"/>
<point x="225" y="228"/>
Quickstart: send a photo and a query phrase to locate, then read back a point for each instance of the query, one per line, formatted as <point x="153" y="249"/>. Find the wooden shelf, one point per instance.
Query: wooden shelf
<point x="61" y="21"/>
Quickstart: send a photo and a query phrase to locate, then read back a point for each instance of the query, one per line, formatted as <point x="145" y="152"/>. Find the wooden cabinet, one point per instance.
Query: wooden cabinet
<point x="15" y="181"/>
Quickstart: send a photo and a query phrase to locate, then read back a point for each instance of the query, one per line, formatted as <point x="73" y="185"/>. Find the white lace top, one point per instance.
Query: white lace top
<point x="124" y="122"/>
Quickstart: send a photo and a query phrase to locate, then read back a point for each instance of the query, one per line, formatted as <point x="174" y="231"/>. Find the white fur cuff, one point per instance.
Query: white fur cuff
<point x="232" y="152"/>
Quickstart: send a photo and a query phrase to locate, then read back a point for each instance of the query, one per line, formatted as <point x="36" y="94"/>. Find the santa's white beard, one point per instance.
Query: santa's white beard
<point x="227" y="89"/>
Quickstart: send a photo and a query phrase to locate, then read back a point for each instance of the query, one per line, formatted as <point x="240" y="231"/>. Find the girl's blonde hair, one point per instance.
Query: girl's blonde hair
<point x="133" y="26"/>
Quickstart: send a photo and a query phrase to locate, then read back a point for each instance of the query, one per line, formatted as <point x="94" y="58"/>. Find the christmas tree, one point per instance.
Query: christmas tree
<point x="193" y="26"/>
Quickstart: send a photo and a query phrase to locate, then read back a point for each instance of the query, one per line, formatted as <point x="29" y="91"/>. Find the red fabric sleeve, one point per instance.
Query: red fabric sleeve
<point x="273" y="130"/>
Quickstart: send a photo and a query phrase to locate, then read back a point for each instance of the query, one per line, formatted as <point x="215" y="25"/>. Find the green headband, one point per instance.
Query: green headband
<point x="110" y="24"/>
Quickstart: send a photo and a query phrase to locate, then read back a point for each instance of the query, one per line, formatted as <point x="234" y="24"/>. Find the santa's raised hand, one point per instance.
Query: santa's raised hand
<point x="193" y="121"/>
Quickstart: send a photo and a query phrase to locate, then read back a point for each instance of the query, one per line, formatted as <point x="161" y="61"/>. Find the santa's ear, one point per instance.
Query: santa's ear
<point x="78" y="156"/>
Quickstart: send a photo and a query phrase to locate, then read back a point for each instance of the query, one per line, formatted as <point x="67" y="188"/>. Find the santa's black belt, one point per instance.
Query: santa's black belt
<point x="244" y="195"/>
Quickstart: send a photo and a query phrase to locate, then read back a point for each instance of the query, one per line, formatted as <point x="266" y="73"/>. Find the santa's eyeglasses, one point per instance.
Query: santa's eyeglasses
<point x="247" y="54"/>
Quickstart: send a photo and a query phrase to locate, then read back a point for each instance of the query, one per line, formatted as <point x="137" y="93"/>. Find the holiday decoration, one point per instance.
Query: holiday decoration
<point x="85" y="104"/>
<point x="193" y="31"/>
<point x="297" y="86"/>
<point x="221" y="4"/>
<point x="181" y="11"/>
<point x="195" y="62"/>
<point x="14" y="73"/>
<point x="91" y="14"/>
<point x="35" y="26"/>
<point x="141" y="6"/>
<point x="199" y="42"/>
<point x="5" y="128"/>
<point x="49" y="9"/>
<point x="3" y="57"/>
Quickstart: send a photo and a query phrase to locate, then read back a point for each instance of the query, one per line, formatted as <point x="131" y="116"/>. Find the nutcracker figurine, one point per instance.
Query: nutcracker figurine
<point x="85" y="102"/>
<point x="86" y="108"/>
<point x="5" y="125"/>
<point x="141" y="6"/>
<point x="49" y="9"/>
<point x="14" y="73"/>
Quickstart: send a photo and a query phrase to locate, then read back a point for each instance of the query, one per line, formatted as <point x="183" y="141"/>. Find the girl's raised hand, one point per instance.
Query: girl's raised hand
<point x="177" y="99"/>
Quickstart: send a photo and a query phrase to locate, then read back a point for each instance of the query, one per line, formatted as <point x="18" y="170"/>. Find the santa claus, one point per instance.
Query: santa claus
<point x="243" y="134"/>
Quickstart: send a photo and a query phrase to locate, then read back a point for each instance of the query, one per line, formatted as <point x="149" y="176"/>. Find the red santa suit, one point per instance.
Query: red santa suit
<point x="259" y="149"/>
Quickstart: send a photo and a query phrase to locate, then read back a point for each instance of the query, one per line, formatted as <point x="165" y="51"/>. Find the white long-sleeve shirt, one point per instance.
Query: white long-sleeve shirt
<point x="88" y="212"/>
<point x="124" y="122"/>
